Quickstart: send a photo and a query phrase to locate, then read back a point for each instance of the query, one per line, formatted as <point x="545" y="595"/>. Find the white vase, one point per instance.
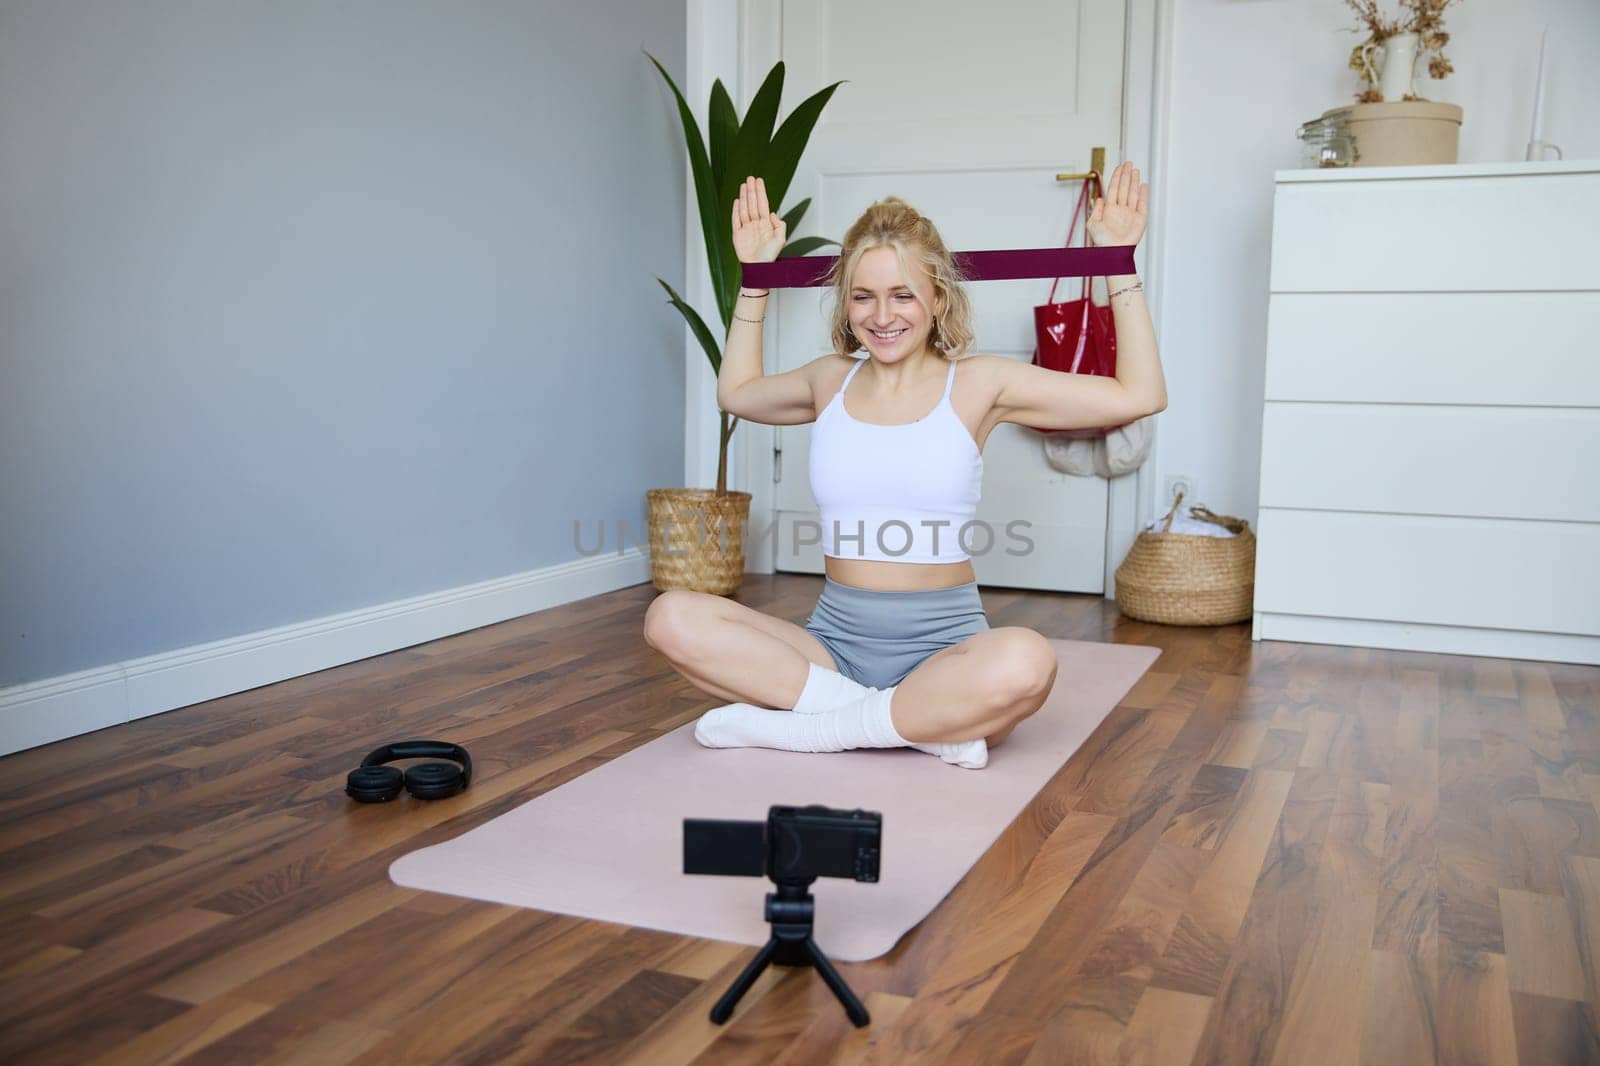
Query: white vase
<point x="1399" y="65"/>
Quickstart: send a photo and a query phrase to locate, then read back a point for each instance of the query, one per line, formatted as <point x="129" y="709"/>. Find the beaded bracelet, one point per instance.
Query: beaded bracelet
<point x="1137" y="286"/>
<point x="741" y="318"/>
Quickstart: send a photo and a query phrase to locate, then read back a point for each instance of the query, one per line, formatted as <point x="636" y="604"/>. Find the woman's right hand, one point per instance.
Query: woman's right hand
<point x="758" y="233"/>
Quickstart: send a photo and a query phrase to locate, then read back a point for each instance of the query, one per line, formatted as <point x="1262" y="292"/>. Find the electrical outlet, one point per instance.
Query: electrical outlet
<point x="1177" y="483"/>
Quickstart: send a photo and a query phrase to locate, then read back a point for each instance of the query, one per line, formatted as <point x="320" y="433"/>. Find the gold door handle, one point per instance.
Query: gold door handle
<point x="1097" y="167"/>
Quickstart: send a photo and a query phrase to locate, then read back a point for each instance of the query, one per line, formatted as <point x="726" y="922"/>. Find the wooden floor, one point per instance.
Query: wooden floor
<point x="1269" y="853"/>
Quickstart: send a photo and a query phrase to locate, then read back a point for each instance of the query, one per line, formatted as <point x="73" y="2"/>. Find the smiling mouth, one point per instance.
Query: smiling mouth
<point x="888" y="337"/>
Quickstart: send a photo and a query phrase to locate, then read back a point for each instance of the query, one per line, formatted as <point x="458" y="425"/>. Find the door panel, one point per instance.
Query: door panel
<point x="975" y="145"/>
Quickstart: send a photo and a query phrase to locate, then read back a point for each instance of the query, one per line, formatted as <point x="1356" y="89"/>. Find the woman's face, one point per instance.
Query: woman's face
<point x="885" y="314"/>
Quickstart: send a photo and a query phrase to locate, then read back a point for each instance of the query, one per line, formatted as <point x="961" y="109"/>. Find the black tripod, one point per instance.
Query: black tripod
<point x="790" y="912"/>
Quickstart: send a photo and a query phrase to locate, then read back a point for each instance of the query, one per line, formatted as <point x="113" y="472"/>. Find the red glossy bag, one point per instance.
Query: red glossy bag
<point x="1078" y="336"/>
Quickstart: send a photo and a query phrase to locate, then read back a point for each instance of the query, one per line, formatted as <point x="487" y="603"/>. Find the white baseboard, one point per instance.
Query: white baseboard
<point x="1409" y="636"/>
<point x="55" y="708"/>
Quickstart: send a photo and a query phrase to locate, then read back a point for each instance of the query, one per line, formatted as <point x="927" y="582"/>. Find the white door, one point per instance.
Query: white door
<point x="968" y="112"/>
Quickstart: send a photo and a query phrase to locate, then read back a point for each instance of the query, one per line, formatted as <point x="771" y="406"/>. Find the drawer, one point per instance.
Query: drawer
<point x="1467" y="234"/>
<point x="1506" y="462"/>
<point x="1479" y="572"/>
<point x="1536" y="348"/>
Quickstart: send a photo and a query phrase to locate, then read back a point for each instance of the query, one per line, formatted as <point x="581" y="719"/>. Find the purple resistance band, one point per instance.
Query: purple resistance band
<point x="805" y="271"/>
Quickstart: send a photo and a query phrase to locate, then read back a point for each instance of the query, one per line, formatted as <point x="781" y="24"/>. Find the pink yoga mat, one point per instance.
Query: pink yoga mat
<point x="609" y="845"/>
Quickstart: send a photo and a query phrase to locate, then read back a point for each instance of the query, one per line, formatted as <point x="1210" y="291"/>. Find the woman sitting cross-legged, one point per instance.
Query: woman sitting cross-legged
<point x="898" y="652"/>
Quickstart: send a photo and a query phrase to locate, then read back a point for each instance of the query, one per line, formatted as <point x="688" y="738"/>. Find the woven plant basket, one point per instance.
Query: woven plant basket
<point x="697" y="539"/>
<point x="1180" y="579"/>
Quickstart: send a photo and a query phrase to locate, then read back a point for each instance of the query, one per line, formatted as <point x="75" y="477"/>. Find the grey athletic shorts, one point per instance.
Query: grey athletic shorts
<point x="877" y="638"/>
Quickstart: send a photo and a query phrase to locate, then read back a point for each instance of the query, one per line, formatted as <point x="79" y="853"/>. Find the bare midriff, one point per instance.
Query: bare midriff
<point x="880" y="576"/>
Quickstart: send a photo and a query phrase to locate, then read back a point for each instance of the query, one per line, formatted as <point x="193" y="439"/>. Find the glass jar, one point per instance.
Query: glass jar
<point x="1326" y="142"/>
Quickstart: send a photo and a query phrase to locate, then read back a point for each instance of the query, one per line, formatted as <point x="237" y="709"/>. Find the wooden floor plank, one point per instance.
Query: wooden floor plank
<point x="1330" y="992"/>
<point x="97" y="1026"/>
<point x="1542" y="952"/>
<point x="1013" y="860"/>
<point x="1206" y="808"/>
<point x="971" y="967"/>
<point x="283" y="946"/>
<point x="1198" y="950"/>
<point x="1248" y="1011"/>
<point x="187" y="1034"/>
<point x="685" y="1031"/>
<point x="62" y="989"/>
<point x="1165" y="1028"/>
<point x="1475" y="1023"/>
<point x="1554" y="1031"/>
<point x="1401" y="1024"/>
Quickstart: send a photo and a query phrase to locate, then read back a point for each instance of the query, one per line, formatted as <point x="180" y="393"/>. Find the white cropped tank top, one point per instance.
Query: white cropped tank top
<point x="901" y="493"/>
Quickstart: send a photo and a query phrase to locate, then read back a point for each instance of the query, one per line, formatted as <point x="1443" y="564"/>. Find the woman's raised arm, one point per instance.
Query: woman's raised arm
<point x="1034" y="396"/>
<point x="742" y="388"/>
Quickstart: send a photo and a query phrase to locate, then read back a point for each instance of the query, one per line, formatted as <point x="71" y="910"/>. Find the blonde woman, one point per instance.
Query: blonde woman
<point x="898" y="652"/>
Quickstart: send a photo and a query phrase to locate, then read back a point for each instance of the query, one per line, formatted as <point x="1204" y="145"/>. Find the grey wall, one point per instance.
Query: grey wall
<point x="310" y="306"/>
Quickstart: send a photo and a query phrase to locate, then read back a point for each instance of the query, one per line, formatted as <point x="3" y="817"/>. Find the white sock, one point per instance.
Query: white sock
<point x="972" y="754"/>
<point x="826" y="689"/>
<point x="866" y="723"/>
<point x="741" y="725"/>
<point x="860" y="723"/>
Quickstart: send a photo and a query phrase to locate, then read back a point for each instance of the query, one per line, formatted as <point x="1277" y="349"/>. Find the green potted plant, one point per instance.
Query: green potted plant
<point x="697" y="535"/>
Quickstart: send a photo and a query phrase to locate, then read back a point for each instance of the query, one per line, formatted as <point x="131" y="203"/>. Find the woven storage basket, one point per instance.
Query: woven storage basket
<point x="697" y="539"/>
<point x="1181" y="579"/>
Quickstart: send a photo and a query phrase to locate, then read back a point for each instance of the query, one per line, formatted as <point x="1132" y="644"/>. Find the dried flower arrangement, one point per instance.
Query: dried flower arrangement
<point x="1422" y="17"/>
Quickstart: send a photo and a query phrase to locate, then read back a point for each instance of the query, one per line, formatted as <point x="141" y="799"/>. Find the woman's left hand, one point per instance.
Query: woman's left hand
<point x="1121" y="215"/>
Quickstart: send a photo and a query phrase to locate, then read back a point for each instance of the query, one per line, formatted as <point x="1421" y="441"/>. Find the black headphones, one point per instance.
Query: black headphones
<point x="373" y="782"/>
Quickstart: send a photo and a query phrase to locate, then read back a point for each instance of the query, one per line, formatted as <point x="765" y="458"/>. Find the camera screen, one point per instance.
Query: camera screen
<point x="732" y="849"/>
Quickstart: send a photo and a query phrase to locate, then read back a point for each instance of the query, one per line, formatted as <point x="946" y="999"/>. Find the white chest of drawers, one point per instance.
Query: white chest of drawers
<point x="1430" y="453"/>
